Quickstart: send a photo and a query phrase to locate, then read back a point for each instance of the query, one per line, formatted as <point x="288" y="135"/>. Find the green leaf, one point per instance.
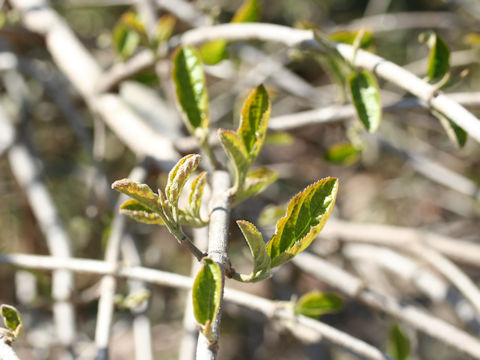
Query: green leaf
<point x="139" y="212"/>
<point x="455" y="133"/>
<point x="261" y="260"/>
<point x="315" y="304"/>
<point x="256" y="182"/>
<point x="125" y="40"/>
<point x="306" y="215"/>
<point x="206" y="293"/>
<point x="164" y="28"/>
<point x="12" y="319"/>
<point x="140" y="192"/>
<point x="213" y="52"/>
<point x="254" y="121"/>
<point x="348" y="37"/>
<point x="196" y="193"/>
<point x="133" y="300"/>
<point x="179" y="175"/>
<point x="279" y="138"/>
<point x="191" y="89"/>
<point x="398" y="344"/>
<point x="250" y="11"/>
<point x="439" y="57"/>
<point x="342" y="154"/>
<point x="236" y="152"/>
<point x="366" y="99"/>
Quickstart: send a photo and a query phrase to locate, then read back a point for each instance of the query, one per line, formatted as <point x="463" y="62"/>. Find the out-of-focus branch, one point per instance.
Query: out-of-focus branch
<point x="363" y="59"/>
<point x="217" y="250"/>
<point x="354" y="287"/>
<point x="6" y="351"/>
<point x="267" y="307"/>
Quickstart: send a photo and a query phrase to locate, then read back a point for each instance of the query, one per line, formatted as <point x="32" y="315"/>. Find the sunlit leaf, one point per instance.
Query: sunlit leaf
<point x="236" y="152"/>
<point x="125" y="40"/>
<point x="191" y="89"/>
<point x="342" y="154"/>
<point x="140" y="192"/>
<point x="439" y="57"/>
<point x="398" y="344"/>
<point x="279" y="138"/>
<point x="250" y="11"/>
<point x="139" y="212"/>
<point x="164" y="28"/>
<point x="261" y="260"/>
<point x="254" y="121"/>
<point x="206" y="294"/>
<point x="256" y="181"/>
<point x="213" y="52"/>
<point x="306" y="215"/>
<point x="366" y="99"/>
<point x="11" y="318"/>
<point x="179" y="175"/>
<point x="196" y="193"/>
<point x="315" y="304"/>
<point x="455" y="133"/>
<point x="348" y="37"/>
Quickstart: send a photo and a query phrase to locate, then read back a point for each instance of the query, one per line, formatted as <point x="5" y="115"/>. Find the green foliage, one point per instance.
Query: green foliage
<point x="315" y="304"/>
<point x="307" y="213"/>
<point x="133" y="300"/>
<point x="127" y="35"/>
<point x="191" y="90"/>
<point x="349" y="37"/>
<point x="261" y="260"/>
<point x="13" y="321"/>
<point x="179" y="175"/>
<point x="242" y="147"/>
<point x="140" y="192"/>
<point x="439" y="57"/>
<point x="398" y="344"/>
<point x="366" y="99"/>
<point x="207" y="294"/>
<point x="342" y="154"/>
<point x="137" y="211"/>
<point x="455" y="133"/>
<point x="213" y="52"/>
<point x="164" y="29"/>
<point x="196" y="193"/>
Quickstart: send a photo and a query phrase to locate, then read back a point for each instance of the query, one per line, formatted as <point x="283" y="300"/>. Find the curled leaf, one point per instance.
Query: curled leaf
<point x="366" y="99"/>
<point x="11" y="318"/>
<point x="140" y="192"/>
<point x="306" y="215"/>
<point x="191" y="89"/>
<point x="316" y="303"/>
<point x="139" y="212"/>
<point x="261" y="260"/>
<point x="196" y="193"/>
<point x="179" y="175"/>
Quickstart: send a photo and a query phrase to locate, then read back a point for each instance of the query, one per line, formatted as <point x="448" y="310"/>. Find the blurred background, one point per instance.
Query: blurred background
<point x="408" y="174"/>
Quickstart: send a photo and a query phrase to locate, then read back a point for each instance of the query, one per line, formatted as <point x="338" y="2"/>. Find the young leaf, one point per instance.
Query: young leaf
<point x="125" y="40"/>
<point x="12" y="319"/>
<point x="439" y="57"/>
<point x="348" y="37"/>
<point x="206" y="293"/>
<point x="342" y="154"/>
<point x="196" y="193"/>
<point x="233" y="146"/>
<point x="191" y="89"/>
<point x="140" y="192"/>
<point x="307" y="213"/>
<point x="398" y="344"/>
<point x="139" y="212"/>
<point x="315" y="303"/>
<point x="164" y="28"/>
<point x="250" y="11"/>
<point x="261" y="260"/>
<point x="254" y="121"/>
<point x="256" y="181"/>
<point x="456" y="134"/>
<point x="366" y="99"/>
<point x="213" y="52"/>
<point x="179" y="175"/>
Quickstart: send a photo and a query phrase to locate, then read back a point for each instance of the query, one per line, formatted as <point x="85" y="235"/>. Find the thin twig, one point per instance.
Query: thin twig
<point x="217" y="250"/>
<point x="267" y="307"/>
<point x="412" y="315"/>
